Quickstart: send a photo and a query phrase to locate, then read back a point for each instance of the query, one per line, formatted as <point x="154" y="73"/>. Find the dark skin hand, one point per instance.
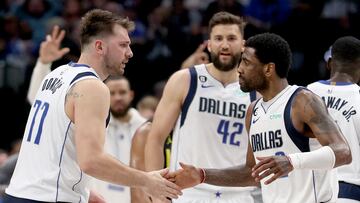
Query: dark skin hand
<point x="310" y="118"/>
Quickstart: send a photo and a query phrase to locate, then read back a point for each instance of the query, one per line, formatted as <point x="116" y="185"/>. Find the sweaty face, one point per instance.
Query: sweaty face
<point x="121" y="97"/>
<point x="225" y="46"/>
<point x="251" y="74"/>
<point x="118" y="51"/>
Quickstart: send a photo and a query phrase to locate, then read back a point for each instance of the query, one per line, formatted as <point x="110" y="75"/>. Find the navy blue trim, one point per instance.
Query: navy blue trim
<point x="349" y="191"/>
<point x="300" y="140"/>
<point x="314" y="185"/>
<point x="11" y="199"/>
<point x="327" y="82"/>
<point x="73" y="187"/>
<point x="73" y="64"/>
<point x="83" y="74"/>
<point x="61" y="156"/>
<point x="190" y="95"/>
<point x="252" y="96"/>
<point x="107" y="119"/>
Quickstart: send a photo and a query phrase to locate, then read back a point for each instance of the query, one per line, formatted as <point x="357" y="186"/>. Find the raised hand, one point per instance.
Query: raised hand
<point x="198" y="57"/>
<point x="159" y="188"/>
<point x="187" y="176"/>
<point x="276" y="165"/>
<point x="50" y="48"/>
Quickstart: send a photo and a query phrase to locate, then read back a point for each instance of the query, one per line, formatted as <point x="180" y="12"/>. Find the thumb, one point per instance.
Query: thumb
<point x="183" y="165"/>
<point x="164" y="171"/>
<point x="260" y="158"/>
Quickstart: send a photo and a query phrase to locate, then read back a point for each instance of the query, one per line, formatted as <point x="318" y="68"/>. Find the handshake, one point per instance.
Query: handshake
<point x="164" y="185"/>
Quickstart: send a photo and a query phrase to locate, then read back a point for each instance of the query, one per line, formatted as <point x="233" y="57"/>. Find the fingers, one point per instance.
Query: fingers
<point x="60" y="37"/>
<point x="201" y="47"/>
<point x="55" y="31"/>
<point x="64" y="51"/>
<point x="260" y="167"/>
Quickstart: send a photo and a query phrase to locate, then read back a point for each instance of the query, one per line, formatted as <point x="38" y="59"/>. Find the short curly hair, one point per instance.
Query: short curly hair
<point x="271" y="48"/>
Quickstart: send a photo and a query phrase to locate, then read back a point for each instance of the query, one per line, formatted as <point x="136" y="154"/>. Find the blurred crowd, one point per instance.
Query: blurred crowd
<point x="167" y="31"/>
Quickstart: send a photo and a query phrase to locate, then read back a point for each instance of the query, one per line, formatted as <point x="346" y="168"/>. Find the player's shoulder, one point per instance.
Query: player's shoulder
<point x="92" y="86"/>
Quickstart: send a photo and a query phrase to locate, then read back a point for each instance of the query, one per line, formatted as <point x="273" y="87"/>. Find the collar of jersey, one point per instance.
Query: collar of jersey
<point x="73" y="64"/>
<point x="327" y="82"/>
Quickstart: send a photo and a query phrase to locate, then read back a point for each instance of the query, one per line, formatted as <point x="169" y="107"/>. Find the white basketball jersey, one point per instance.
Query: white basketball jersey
<point x="210" y="131"/>
<point x="272" y="133"/>
<point x="118" y="144"/>
<point x="343" y="103"/>
<point x="47" y="168"/>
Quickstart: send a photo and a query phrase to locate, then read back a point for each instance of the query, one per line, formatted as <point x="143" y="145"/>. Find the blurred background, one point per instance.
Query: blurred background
<point x="167" y="31"/>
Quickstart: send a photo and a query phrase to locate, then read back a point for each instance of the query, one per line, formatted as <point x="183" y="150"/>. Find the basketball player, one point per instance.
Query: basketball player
<point x="341" y="95"/>
<point x="280" y="125"/>
<point x="122" y="126"/>
<point x="64" y="137"/>
<point x="207" y="108"/>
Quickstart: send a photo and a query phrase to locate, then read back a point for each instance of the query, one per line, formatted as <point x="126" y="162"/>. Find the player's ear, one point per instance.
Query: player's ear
<point x="208" y="45"/>
<point x="269" y="69"/>
<point x="99" y="47"/>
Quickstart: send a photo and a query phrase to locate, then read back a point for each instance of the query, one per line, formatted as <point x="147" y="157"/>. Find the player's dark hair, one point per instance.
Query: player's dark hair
<point x="271" y="48"/>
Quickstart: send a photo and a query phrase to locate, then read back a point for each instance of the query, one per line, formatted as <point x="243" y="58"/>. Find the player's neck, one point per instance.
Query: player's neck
<point x="225" y="78"/>
<point x="274" y="89"/>
<point x="342" y="77"/>
<point x="125" y="118"/>
<point x="94" y="63"/>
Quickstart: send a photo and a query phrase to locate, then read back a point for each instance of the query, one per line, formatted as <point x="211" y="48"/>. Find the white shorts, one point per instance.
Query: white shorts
<point x="217" y="195"/>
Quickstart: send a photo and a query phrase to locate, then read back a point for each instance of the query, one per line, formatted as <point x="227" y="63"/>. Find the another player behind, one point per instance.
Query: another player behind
<point x="64" y="137"/>
<point x="206" y="108"/>
<point x="341" y="95"/>
<point x="280" y="125"/>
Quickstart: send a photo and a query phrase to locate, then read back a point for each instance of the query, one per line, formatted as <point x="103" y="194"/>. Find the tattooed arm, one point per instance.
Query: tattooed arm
<point x="311" y="117"/>
<point x="87" y="105"/>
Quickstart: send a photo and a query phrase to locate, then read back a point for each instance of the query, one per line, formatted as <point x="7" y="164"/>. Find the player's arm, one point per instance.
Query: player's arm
<point x="87" y="105"/>
<point x="137" y="160"/>
<point x="190" y="176"/>
<point x="311" y="110"/>
<point x="49" y="52"/>
<point x="165" y="117"/>
<point x="310" y="117"/>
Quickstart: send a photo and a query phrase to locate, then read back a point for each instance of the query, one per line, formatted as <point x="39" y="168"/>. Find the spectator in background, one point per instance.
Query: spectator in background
<point x="123" y="123"/>
<point x="147" y="106"/>
<point x="264" y="14"/>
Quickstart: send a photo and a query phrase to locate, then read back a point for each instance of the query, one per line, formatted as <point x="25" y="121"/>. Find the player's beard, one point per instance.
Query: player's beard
<point x="258" y="83"/>
<point x="234" y="62"/>
<point x="120" y="114"/>
<point x="112" y="68"/>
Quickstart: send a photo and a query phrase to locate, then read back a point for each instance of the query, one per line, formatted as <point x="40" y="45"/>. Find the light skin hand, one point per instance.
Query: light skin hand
<point x="50" y="50"/>
<point x="198" y="57"/>
<point x="96" y="197"/>
<point x="276" y="165"/>
<point x="160" y="188"/>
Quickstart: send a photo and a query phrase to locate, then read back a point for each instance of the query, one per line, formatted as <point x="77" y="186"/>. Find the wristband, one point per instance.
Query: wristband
<point x="202" y="175"/>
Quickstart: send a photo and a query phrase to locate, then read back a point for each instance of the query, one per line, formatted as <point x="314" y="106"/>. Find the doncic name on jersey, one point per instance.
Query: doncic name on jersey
<point x="52" y="84"/>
